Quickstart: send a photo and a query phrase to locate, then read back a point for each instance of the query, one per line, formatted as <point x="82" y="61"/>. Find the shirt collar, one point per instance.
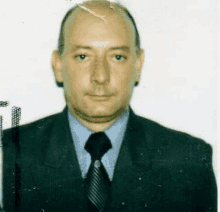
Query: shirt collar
<point x="81" y="133"/>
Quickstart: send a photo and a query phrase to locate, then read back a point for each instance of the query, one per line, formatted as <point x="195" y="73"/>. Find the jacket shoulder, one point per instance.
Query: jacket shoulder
<point x="166" y="132"/>
<point x="174" y="142"/>
<point x="30" y="131"/>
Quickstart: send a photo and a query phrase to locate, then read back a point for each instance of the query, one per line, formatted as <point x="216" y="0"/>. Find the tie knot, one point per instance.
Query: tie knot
<point x="97" y="145"/>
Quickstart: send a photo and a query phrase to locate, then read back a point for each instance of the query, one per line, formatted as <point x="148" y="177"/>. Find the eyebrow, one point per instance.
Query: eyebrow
<point x="125" y="48"/>
<point x="76" y="47"/>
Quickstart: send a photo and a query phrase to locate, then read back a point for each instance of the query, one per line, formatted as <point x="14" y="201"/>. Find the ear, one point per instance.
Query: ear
<point x="139" y="64"/>
<point x="57" y="66"/>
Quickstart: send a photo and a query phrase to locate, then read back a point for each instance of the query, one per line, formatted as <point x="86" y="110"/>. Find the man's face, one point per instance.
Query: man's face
<point x="99" y="65"/>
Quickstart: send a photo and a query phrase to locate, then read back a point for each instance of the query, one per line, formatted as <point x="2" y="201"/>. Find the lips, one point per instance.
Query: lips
<point x="100" y="97"/>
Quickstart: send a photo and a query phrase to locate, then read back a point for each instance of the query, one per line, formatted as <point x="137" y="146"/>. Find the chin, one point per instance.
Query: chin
<point x="106" y="113"/>
<point x="101" y="112"/>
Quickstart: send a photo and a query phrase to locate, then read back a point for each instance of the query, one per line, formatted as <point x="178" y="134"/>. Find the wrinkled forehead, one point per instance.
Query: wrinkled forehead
<point x="106" y="14"/>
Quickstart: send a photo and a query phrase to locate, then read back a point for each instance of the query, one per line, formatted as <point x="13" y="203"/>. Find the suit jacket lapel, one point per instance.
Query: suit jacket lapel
<point x="60" y="143"/>
<point x="134" y="184"/>
<point x="61" y="165"/>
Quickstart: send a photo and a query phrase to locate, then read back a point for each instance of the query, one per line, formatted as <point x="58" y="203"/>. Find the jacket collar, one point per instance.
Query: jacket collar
<point x="60" y="141"/>
<point x="134" y="167"/>
<point x="134" y="146"/>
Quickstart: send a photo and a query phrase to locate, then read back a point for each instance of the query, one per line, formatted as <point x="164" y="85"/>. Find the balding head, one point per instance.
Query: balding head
<point x="91" y="7"/>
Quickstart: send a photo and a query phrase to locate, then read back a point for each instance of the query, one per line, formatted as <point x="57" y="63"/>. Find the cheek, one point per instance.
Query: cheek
<point x="125" y="78"/>
<point x="75" y="78"/>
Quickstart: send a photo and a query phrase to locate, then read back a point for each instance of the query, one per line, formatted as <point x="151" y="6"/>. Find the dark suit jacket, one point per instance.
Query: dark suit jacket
<point x="158" y="169"/>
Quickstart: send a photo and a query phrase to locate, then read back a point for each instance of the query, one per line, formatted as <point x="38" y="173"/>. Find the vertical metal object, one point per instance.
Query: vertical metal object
<point x="16" y="116"/>
<point x="1" y="163"/>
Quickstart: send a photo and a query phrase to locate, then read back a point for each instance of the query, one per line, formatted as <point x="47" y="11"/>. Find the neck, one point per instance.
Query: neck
<point x="97" y="126"/>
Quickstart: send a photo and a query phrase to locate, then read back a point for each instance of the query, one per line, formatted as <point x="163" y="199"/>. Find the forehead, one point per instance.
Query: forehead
<point x="94" y="24"/>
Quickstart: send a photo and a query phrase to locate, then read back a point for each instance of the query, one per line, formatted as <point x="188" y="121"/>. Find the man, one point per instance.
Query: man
<point x="57" y="164"/>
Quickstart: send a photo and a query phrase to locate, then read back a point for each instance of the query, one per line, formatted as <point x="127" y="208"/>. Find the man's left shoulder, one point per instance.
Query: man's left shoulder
<point x="173" y="141"/>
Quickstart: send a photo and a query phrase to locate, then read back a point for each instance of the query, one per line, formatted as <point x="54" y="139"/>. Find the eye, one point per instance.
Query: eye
<point x="120" y="57"/>
<point x="80" y="57"/>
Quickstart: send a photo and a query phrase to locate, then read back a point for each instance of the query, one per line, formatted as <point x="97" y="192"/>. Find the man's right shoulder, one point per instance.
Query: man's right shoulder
<point x="29" y="132"/>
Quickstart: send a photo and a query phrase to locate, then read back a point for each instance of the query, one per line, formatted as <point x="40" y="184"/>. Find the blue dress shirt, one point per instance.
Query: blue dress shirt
<point x="81" y="133"/>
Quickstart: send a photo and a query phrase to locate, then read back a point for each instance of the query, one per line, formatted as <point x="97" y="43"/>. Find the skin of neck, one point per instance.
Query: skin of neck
<point x="97" y="124"/>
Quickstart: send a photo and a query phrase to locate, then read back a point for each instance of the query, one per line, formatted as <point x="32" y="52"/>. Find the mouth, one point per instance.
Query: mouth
<point x="100" y="97"/>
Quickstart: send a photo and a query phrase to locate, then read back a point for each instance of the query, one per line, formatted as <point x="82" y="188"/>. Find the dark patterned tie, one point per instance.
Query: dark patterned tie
<point x="97" y="183"/>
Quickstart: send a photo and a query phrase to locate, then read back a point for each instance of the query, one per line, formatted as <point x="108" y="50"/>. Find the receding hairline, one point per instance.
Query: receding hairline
<point x="112" y="6"/>
<point x="88" y="7"/>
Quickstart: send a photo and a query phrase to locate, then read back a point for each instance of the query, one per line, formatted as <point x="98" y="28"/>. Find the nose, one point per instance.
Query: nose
<point x="101" y="73"/>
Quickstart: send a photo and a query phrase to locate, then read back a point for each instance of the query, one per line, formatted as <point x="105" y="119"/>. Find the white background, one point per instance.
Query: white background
<point x="179" y="81"/>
